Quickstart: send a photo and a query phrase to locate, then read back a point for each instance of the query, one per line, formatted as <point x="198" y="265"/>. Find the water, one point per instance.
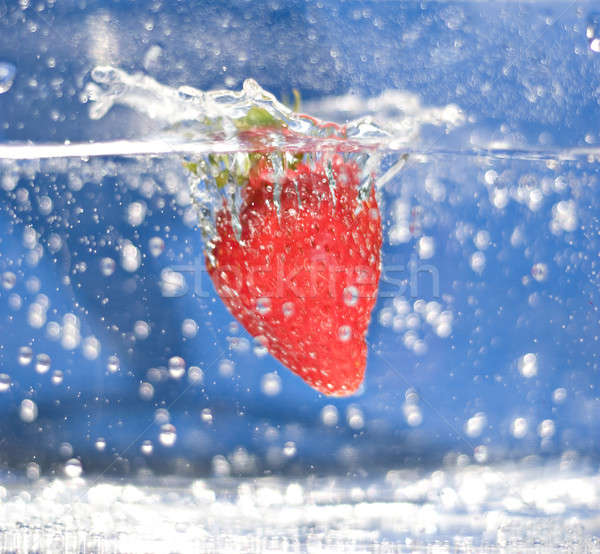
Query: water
<point x="139" y="416"/>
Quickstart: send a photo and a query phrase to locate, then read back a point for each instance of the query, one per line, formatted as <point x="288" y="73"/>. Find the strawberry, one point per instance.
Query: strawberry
<point x="302" y="274"/>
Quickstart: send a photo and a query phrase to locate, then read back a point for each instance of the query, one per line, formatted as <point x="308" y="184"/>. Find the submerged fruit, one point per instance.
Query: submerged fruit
<point x="302" y="271"/>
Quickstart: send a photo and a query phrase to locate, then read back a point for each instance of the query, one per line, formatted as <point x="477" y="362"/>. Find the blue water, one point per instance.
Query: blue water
<point x="504" y="245"/>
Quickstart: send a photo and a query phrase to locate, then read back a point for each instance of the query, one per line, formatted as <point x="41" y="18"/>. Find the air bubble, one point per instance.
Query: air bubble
<point x="107" y="266"/>
<point x="25" y="355"/>
<point x="478" y="262"/>
<point x="482" y="240"/>
<point x="167" y="435"/>
<point x="226" y="368"/>
<point x="28" y="411"/>
<point x="518" y="427"/>
<point x="546" y="429"/>
<point x="206" y="415"/>
<point x="355" y="418"/>
<point x="130" y="257"/>
<point x="528" y="365"/>
<point x="559" y="395"/>
<point x="350" y="296"/>
<point x="289" y="449"/>
<point x="263" y="306"/>
<point x="329" y="415"/>
<point x="4" y="382"/>
<point x="147" y="448"/>
<point x="141" y="330"/>
<point x="136" y="213"/>
<point x="345" y="333"/>
<point x="189" y="328"/>
<point x="57" y="377"/>
<point x="113" y="365"/>
<point x="176" y="367"/>
<point x="539" y="272"/>
<point x="195" y="375"/>
<point x="42" y="364"/>
<point x="592" y="32"/>
<point x="288" y="309"/>
<point x="156" y="246"/>
<point x="426" y="248"/>
<point x="475" y="425"/>
<point x="100" y="444"/>
<point x="73" y="468"/>
<point x="270" y="384"/>
<point x="91" y="348"/>
<point x="7" y="76"/>
<point x="9" y="280"/>
<point x="146" y="391"/>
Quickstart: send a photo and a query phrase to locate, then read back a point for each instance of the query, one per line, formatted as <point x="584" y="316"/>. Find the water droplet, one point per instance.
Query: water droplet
<point x="270" y="384"/>
<point x="344" y="333"/>
<point x="7" y="76"/>
<point x="73" y="468"/>
<point x="350" y="296"/>
<point x="176" y="367"/>
<point x="263" y="306"/>
<point x="25" y="355"/>
<point x="42" y="364"/>
<point x="167" y="435"/>
<point x="28" y="411"/>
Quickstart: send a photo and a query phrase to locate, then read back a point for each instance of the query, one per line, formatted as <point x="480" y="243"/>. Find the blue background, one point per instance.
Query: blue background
<point x="523" y="73"/>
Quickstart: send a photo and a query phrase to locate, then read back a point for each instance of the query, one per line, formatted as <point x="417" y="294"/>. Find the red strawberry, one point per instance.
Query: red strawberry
<point x="303" y="278"/>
